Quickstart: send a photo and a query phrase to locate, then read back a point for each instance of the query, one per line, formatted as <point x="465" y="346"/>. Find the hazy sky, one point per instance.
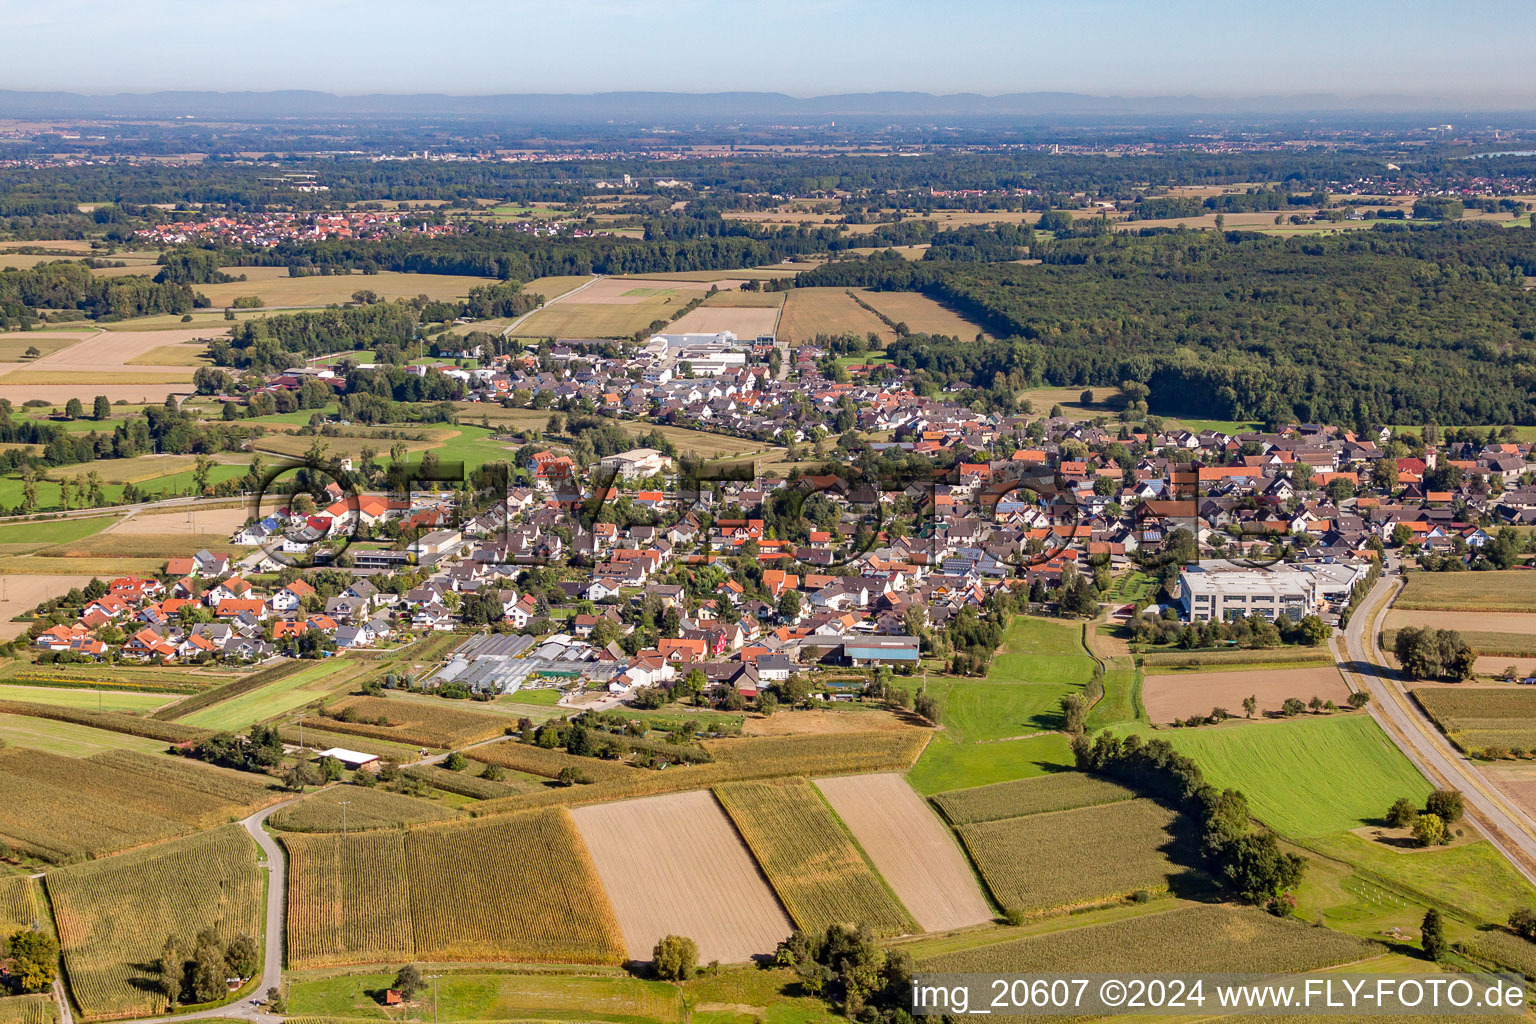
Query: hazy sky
<point x="1480" y="50"/>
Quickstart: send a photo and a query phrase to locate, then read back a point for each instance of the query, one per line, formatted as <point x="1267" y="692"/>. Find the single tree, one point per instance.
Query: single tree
<point x="73" y="410"/>
<point x="1251" y="705"/>
<point x="1401" y="813"/>
<point x="675" y="958"/>
<point x="102" y="409"/>
<point x="1446" y="804"/>
<point x="1429" y="830"/>
<point x="1432" y="935"/>
<point x="456" y="762"/>
<point x="171" y="969"/>
<point x="408" y="981"/>
<point x="243" y="956"/>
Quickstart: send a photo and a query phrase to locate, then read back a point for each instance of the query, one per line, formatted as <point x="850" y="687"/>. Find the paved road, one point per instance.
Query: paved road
<point x="1511" y="830"/>
<point x="507" y="331"/>
<point x="272" y="967"/>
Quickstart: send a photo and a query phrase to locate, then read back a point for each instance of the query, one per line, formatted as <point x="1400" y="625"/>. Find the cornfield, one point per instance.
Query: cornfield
<point x="365" y="809"/>
<point x="1475" y="719"/>
<point x="466" y="783"/>
<point x="1061" y="792"/>
<point x="413" y="721"/>
<point x="1509" y="590"/>
<point x="1063" y="859"/>
<point x="18" y="904"/>
<point x="33" y="1009"/>
<point x="64" y="808"/>
<point x="114" y="915"/>
<point x="736" y="760"/>
<point x="809" y="857"/>
<point x="517" y="888"/>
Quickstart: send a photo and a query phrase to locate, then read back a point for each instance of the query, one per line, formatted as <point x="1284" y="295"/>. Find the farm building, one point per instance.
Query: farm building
<point x="881" y="650"/>
<point x="353" y="759"/>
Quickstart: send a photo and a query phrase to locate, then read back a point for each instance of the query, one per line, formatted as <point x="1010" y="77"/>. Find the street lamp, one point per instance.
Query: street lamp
<point x="344" y="804"/>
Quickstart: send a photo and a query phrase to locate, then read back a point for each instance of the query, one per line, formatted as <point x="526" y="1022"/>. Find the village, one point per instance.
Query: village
<point x="625" y="572"/>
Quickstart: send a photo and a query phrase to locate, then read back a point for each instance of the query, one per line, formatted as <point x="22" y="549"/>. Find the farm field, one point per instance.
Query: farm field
<point x="181" y="522"/>
<point x="1478" y="717"/>
<point x="186" y="354"/>
<point x="114" y="914"/>
<point x="1510" y="590"/>
<point x="1039" y="662"/>
<point x="426" y="723"/>
<point x="99" y="360"/>
<point x="1057" y="860"/>
<point x="1166" y="661"/>
<point x="1306" y="776"/>
<point x="608" y="999"/>
<point x="809" y="857"/>
<point x="532" y="894"/>
<point x="277" y="697"/>
<point x="22" y="594"/>
<point x="1105" y="401"/>
<point x="104" y="699"/>
<point x="699" y="880"/>
<point x="922" y="314"/>
<point x="19" y="906"/>
<point x="747" y="322"/>
<point x="812" y="311"/>
<point x="365" y="808"/>
<point x="1519" y="624"/>
<point x="19" y="538"/>
<point x="1063" y="791"/>
<point x="1472" y="877"/>
<point x="1187" y="938"/>
<point x="277" y="289"/>
<point x="57" y="808"/>
<point x="910" y="847"/>
<point x="67" y="738"/>
<point x="1180" y="695"/>
<point x="740" y="299"/>
<point x="1518" y="782"/>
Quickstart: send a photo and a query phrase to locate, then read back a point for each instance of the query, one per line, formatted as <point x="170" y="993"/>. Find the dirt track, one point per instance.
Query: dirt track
<point x="675" y="865"/>
<point x="910" y="847"/>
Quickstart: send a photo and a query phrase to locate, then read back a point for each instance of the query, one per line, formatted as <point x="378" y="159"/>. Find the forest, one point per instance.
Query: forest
<point x="1398" y="324"/>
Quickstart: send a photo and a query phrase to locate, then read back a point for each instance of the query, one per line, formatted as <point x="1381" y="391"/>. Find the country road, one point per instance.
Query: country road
<point x="248" y="1008"/>
<point x="1508" y="828"/>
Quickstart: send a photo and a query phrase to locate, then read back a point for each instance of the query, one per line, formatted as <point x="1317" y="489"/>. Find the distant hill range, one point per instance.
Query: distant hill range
<point x="710" y="108"/>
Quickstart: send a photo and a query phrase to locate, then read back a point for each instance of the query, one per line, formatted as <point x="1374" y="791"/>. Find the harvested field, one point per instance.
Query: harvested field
<point x="922" y="314"/>
<point x="740" y="298"/>
<point x="192" y="354"/>
<point x="911" y="849"/>
<point x="114" y="914"/>
<point x="596" y="320"/>
<point x="1190" y="938"/>
<point x="58" y="808"/>
<point x="1477" y="717"/>
<point x="429" y="724"/>
<point x="1517" y="782"/>
<point x="1171" y="697"/>
<point x="23" y="593"/>
<point x="747" y="322"/>
<point x="213" y="520"/>
<point x="633" y="291"/>
<point x="365" y="808"/>
<point x="697" y="879"/>
<point x="1465" y="622"/>
<point x="529" y="895"/>
<point x="277" y="289"/>
<point x="809" y="857"/>
<point x="812" y="311"/>
<point x="1510" y="590"/>
<point x="1063" y="791"/>
<point x="1063" y="859"/>
<point x="1497" y="664"/>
